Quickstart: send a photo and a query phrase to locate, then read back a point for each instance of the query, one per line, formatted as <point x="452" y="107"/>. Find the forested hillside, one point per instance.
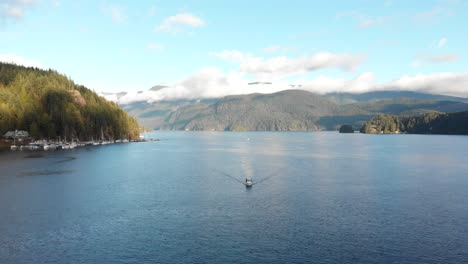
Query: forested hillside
<point x="288" y="110"/>
<point x="430" y="123"/>
<point x="283" y="111"/>
<point x="50" y="105"/>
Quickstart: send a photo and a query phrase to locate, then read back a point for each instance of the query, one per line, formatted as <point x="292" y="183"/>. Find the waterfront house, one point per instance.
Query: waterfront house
<point x="17" y="134"/>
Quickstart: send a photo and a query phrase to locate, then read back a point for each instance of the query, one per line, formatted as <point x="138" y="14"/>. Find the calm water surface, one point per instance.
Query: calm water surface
<point x="320" y="198"/>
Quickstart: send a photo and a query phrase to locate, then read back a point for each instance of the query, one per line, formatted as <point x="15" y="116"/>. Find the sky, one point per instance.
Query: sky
<point x="208" y="48"/>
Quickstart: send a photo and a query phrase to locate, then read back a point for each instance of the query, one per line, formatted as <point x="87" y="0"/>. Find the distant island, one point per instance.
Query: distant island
<point x="346" y="129"/>
<point x="430" y="123"/>
<point x="48" y="105"/>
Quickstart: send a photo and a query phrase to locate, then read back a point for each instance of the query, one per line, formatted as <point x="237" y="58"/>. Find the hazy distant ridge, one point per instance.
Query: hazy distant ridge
<point x="291" y="110"/>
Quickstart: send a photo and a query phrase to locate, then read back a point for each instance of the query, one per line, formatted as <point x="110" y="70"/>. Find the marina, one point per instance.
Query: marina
<point x="62" y="145"/>
<point x="21" y="140"/>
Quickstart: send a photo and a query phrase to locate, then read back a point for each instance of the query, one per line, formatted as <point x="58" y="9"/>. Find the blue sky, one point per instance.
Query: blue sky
<point x="201" y="46"/>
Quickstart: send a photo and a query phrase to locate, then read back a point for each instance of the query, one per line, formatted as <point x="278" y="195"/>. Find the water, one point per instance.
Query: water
<point x="320" y="198"/>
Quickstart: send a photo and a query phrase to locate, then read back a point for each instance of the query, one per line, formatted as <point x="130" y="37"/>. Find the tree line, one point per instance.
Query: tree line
<point x="50" y="105"/>
<point x="429" y="123"/>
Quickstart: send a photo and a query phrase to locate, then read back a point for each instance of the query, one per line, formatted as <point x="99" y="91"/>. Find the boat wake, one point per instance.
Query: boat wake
<point x="244" y="183"/>
<point x="230" y="176"/>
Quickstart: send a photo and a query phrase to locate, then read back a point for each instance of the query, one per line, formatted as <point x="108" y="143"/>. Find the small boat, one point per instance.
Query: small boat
<point x="13" y="147"/>
<point x="50" y="146"/>
<point x="31" y="146"/>
<point x="248" y="182"/>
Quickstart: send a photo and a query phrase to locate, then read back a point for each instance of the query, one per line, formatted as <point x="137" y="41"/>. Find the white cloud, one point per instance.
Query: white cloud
<point x="362" y="83"/>
<point x="19" y="60"/>
<point x="213" y="83"/>
<point x="442" y="42"/>
<point x="455" y="84"/>
<point x="205" y="83"/>
<point x="15" y="9"/>
<point x="175" y="23"/>
<point x="278" y="67"/>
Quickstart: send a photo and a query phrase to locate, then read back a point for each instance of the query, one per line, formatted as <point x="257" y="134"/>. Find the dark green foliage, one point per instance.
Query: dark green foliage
<point x="292" y="110"/>
<point x="346" y="129"/>
<point x="49" y="105"/>
<point x="288" y="110"/>
<point x="430" y="123"/>
<point x="382" y="124"/>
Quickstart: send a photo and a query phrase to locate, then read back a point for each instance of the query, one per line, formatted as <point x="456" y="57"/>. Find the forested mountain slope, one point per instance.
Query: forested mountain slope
<point x="289" y="110"/>
<point x="49" y="105"/>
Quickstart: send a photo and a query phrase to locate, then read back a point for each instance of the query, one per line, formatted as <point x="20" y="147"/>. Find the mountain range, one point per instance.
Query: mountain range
<point x="290" y="110"/>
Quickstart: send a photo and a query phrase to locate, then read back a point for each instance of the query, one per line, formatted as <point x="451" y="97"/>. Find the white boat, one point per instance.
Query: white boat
<point x="248" y="182"/>
<point x="50" y="146"/>
<point x="31" y="146"/>
<point x="13" y="147"/>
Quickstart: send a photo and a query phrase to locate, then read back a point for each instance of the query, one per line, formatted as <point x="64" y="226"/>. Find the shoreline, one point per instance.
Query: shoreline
<point x="44" y="145"/>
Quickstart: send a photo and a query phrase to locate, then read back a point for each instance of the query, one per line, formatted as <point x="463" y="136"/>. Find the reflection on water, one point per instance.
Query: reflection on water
<point x="66" y="159"/>
<point x="44" y="172"/>
<point x="33" y="156"/>
<point x="319" y="197"/>
<point x="245" y="161"/>
<point x="58" y="159"/>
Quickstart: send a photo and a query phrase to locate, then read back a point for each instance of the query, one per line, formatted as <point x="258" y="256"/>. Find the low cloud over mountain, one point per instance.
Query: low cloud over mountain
<point x="213" y="83"/>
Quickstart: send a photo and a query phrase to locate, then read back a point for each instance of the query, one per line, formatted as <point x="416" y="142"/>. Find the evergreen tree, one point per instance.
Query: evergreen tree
<point x="49" y="105"/>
